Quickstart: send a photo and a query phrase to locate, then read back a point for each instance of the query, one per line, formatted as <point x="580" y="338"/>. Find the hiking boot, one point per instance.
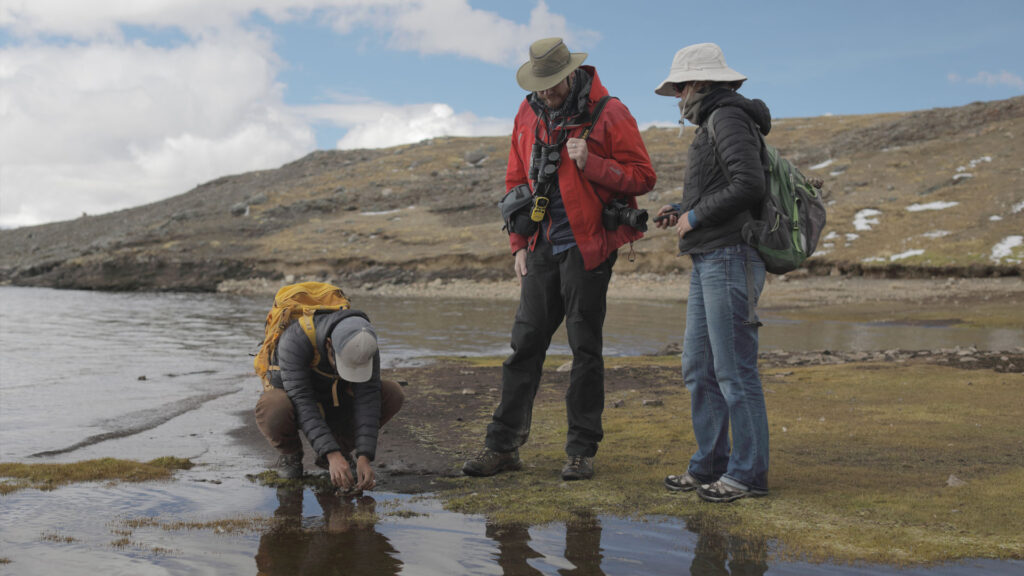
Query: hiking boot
<point x="578" y="468"/>
<point x="684" y="483"/>
<point x="289" y="466"/>
<point x="489" y="463"/>
<point x="721" y="492"/>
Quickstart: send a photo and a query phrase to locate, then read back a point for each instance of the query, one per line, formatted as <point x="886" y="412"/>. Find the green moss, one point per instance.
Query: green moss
<point x="17" y="476"/>
<point x="861" y="456"/>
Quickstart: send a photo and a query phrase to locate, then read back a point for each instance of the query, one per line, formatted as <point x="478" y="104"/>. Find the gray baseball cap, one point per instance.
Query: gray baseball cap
<point x="355" y="345"/>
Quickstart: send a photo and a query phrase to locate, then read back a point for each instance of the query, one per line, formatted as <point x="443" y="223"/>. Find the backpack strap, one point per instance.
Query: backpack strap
<point x="594" y="115"/>
<point x="306" y="322"/>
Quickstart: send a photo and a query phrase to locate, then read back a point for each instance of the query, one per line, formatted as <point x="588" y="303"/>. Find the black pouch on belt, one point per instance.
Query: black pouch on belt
<point x="515" y="211"/>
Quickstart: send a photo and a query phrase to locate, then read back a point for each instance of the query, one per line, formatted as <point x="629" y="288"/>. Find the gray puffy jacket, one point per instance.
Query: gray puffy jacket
<point x="311" y="389"/>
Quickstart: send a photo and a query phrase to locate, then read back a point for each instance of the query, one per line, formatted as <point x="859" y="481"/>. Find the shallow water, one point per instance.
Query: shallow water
<point x="87" y="375"/>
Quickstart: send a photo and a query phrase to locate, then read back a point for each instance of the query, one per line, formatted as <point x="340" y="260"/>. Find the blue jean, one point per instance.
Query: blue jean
<point x="720" y="369"/>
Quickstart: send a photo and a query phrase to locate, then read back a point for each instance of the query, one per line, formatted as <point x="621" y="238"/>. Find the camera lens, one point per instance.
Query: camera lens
<point x="638" y="219"/>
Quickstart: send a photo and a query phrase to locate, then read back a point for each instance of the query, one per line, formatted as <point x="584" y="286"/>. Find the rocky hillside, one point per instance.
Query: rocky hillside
<point x="936" y="192"/>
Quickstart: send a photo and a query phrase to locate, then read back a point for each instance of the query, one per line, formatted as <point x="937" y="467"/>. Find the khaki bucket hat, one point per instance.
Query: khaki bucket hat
<point x="698" y="62"/>
<point x="550" y="62"/>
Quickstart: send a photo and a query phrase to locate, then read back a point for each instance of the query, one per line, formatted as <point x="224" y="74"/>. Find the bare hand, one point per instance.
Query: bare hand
<point x="683" y="226"/>
<point x="364" y="472"/>
<point x="577" y="148"/>
<point x="520" y="263"/>
<point x="671" y="216"/>
<point x="341" y="473"/>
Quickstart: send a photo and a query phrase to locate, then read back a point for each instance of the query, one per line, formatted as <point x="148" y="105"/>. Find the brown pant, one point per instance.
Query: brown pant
<point x="275" y="416"/>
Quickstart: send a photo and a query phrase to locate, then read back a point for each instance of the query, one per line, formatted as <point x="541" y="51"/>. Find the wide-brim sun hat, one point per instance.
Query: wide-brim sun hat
<point x="698" y="63"/>
<point x="550" y="62"/>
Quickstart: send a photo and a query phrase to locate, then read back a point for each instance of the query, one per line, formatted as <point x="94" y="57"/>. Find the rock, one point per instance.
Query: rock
<point x="954" y="482"/>
<point x="468" y="392"/>
<point x="565" y="367"/>
<point x="475" y="157"/>
<point x="652" y="403"/>
<point x="618" y="404"/>
<point x="670" y="349"/>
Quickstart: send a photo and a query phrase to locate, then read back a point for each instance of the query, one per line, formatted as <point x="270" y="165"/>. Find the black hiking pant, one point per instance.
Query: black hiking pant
<point x="556" y="287"/>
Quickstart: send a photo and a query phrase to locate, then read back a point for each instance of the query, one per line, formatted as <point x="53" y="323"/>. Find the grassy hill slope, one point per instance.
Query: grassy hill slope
<point x="936" y="192"/>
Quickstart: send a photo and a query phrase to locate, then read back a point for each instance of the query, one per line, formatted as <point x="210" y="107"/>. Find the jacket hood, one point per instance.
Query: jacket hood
<point x="756" y="109"/>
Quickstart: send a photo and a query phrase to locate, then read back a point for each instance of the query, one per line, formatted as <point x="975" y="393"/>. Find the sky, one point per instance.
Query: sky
<point x="106" y="105"/>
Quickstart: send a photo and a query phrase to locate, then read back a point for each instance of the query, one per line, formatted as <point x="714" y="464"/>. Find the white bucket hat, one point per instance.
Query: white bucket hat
<point x="698" y="62"/>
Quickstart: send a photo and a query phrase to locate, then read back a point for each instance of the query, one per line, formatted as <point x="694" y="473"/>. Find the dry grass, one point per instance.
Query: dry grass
<point x="18" y="476"/>
<point x="861" y="456"/>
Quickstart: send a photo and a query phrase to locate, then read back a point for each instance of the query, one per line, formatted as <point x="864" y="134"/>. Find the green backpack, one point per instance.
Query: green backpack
<point x="792" y="213"/>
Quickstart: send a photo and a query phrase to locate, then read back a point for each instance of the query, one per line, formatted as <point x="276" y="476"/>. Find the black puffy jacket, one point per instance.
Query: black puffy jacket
<point x="312" y="389"/>
<point x="723" y="205"/>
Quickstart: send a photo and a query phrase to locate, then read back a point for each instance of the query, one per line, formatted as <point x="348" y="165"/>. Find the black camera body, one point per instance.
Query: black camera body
<point x="619" y="212"/>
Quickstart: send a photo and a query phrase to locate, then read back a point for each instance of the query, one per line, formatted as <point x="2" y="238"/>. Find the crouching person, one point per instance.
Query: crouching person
<point x="338" y="402"/>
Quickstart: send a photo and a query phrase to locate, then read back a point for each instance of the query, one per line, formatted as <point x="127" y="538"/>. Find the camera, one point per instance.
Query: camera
<point x="619" y="212"/>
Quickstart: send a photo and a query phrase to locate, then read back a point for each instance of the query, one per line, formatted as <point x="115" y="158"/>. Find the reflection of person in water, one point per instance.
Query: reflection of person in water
<point x="714" y="547"/>
<point x="337" y="546"/>
<point x="582" y="548"/>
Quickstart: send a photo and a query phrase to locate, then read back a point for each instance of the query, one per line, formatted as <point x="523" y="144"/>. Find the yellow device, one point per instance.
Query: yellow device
<point x="540" y="207"/>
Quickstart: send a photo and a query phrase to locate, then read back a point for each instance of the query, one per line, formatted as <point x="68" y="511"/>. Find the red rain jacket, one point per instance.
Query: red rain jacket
<point x="617" y="166"/>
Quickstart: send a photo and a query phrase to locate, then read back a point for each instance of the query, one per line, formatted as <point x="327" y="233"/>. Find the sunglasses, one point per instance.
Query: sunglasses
<point x="679" y="86"/>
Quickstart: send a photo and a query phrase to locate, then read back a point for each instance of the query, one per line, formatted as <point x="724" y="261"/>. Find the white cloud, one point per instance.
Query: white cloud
<point x="424" y="26"/>
<point x="377" y="125"/>
<point x="107" y="125"/>
<point x="454" y="27"/>
<point x="986" y="78"/>
<point x="94" y="122"/>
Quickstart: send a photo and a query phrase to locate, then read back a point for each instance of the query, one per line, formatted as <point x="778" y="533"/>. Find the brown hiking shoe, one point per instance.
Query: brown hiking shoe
<point x="489" y="463"/>
<point x="289" y="466"/>
<point x="578" y="468"/>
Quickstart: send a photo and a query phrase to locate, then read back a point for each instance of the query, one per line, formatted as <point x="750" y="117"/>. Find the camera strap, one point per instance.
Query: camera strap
<point x="594" y="115"/>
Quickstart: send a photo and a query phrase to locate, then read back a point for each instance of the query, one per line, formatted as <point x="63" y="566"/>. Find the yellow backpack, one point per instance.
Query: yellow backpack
<point x="296" y="302"/>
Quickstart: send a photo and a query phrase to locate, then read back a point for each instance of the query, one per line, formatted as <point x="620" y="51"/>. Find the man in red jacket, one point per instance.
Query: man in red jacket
<point x="580" y="170"/>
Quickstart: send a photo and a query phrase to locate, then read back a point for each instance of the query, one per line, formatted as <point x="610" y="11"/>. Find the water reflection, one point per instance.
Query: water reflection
<point x="343" y="541"/>
<point x="582" y="548"/>
<point x="714" y="551"/>
<point x="718" y="553"/>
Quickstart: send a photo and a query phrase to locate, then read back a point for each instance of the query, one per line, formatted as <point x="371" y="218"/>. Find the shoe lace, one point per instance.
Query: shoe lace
<point x="576" y="461"/>
<point x="486" y="454"/>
